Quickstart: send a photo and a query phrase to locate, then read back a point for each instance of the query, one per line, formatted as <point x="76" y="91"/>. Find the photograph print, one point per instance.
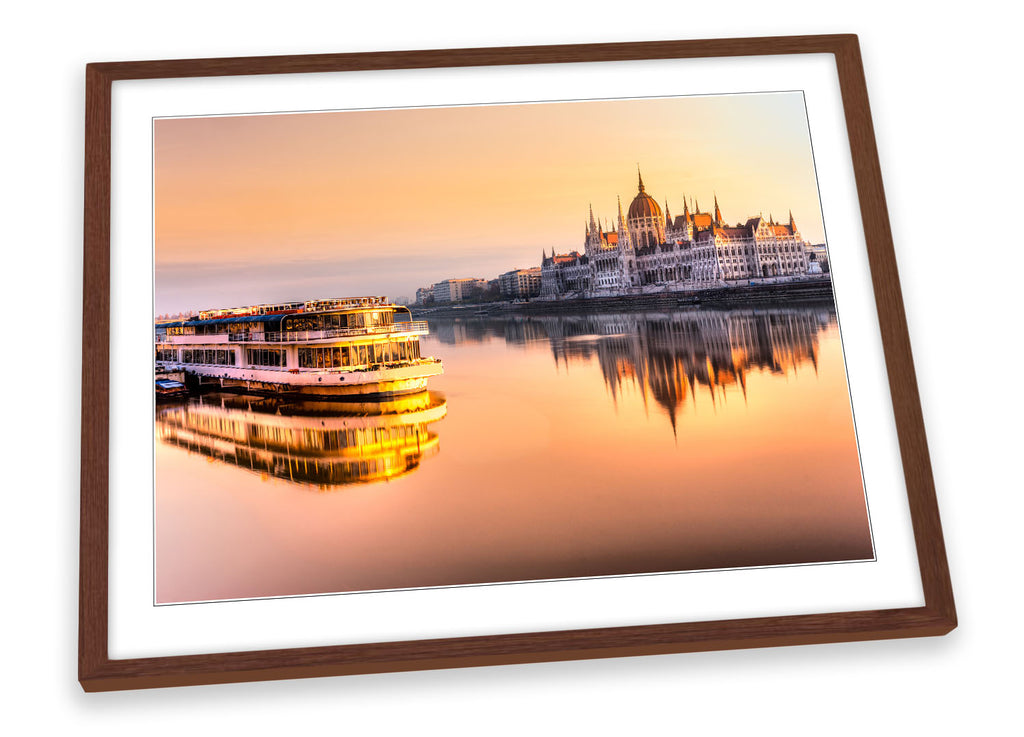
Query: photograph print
<point x="473" y="345"/>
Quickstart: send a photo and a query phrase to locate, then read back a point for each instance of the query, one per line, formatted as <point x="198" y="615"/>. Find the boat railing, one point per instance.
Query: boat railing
<point x="301" y="336"/>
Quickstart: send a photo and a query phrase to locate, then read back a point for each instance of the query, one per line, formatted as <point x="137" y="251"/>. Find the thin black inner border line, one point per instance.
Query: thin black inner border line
<point x="835" y="306"/>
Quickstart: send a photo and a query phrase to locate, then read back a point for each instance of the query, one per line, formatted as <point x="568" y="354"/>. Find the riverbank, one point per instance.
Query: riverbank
<point x="804" y="292"/>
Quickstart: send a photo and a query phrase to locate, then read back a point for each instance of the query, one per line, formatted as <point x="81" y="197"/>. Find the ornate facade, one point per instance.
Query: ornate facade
<point x="648" y="250"/>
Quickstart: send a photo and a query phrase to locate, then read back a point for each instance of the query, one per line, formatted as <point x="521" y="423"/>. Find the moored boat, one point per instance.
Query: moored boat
<point x="170" y="389"/>
<point x="341" y="347"/>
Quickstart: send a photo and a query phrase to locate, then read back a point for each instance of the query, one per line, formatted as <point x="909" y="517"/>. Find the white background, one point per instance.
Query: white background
<point x="943" y="91"/>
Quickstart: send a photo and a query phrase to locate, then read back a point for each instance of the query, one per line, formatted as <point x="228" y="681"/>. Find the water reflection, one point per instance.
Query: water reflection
<point x="563" y="458"/>
<point x="318" y="443"/>
<point x="667" y="356"/>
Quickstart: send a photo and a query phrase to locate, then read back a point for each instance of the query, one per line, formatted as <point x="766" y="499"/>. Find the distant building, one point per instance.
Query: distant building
<point x="520" y="283"/>
<point x="423" y="293"/>
<point x="562" y="273"/>
<point x="650" y="249"/>
<point x="456" y="290"/>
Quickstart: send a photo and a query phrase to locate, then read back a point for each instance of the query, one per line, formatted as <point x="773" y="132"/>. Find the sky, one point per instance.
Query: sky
<point x="288" y="207"/>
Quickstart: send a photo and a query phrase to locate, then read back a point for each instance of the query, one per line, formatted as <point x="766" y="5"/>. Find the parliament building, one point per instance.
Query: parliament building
<point x="650" y="251"/>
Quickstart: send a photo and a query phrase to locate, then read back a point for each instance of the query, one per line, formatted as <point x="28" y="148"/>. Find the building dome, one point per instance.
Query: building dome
<point x="643" y="205"/>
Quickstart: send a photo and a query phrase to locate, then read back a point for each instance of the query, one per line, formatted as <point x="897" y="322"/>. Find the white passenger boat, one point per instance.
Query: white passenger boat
<point x="360" y="347"/>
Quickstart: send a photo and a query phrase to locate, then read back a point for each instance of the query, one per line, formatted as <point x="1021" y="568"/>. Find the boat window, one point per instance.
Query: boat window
<point x="265" y="357"/>
<point x="332" y="357"/>
<point x="300" y="324"/>
<point x="207" y="356"/>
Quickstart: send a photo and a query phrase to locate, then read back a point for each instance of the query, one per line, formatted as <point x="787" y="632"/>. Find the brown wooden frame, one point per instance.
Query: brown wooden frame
<point x="97" y="672"/>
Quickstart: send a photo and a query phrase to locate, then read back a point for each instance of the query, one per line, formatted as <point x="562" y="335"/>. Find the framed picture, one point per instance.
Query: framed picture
<point x="433" y="359"/>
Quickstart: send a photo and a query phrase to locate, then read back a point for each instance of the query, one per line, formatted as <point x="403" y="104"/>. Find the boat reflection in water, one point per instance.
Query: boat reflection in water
<point x="315" y="443"/>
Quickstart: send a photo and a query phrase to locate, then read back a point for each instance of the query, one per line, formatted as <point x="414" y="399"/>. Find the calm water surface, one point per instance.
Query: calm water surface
<point x="552" y="447"/>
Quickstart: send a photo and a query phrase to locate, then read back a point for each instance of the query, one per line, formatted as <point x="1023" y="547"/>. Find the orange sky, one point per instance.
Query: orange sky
<point x="289" y="207"/>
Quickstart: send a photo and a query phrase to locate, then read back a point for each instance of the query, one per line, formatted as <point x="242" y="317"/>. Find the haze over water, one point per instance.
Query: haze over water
<point x="552" y="447"/>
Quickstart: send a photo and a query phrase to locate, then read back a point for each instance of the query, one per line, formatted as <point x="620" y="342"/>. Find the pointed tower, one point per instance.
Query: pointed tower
<point x="624" y="240"/>
<point x="668" y="215"/>
<point x="593" y="236"/>
<point x="687" y="221"/>
<point x="640" y="179"/>
<point x="792" y="223"/>
<point x="718" y="213"/>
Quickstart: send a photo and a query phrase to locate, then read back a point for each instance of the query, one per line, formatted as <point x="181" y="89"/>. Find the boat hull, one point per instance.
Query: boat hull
<point x="381" y="383"/>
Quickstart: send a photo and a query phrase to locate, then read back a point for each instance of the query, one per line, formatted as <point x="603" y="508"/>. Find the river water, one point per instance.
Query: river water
<point x="551" y="447"/>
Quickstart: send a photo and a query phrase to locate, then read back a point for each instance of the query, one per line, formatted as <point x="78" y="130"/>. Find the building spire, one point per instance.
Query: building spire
<point x="593" y="225"/>
<point x="792" y="223"/>
<point x="668" y="215"/>
<point x="640" y="179"/>
<point x="686" y="209"/>
<point x="624" y="240"/>
<point x="718" y="213"/>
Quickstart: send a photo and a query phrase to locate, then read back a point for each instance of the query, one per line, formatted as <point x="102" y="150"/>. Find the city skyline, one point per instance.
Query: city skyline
<point x="280" y="207"/>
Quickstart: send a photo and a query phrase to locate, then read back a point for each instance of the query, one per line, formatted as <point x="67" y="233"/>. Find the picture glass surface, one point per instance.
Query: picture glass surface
<point x="452" y="346"/>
